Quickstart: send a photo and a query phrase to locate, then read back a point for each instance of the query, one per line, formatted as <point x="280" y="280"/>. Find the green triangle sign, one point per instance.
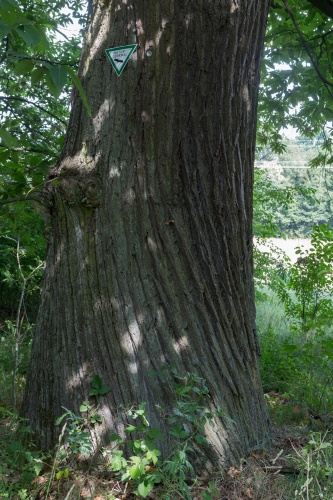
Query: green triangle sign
<point x="119" y="56"/>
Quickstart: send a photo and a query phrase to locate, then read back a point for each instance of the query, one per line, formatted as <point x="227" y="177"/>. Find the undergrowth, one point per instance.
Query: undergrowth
<point x="294" y="310"/>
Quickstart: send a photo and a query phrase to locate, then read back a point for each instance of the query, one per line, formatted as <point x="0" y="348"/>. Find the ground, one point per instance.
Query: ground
<point x="270" y="473"/>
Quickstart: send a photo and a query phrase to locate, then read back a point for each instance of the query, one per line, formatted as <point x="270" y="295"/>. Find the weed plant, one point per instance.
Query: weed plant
<point x="7" y="356"/>
<point x="315" y="463"/>
<point x="20" y="462"/>
<point x="294" y="324"/>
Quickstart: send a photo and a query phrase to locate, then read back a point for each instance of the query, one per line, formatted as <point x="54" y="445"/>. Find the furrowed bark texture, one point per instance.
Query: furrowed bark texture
<point x="150" y="264"/>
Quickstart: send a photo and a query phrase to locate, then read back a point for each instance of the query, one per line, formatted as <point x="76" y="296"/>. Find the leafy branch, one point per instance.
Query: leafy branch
<point x="30" y="197"/>
<point x="38" y="106"/>
<point x="326" y="82"/>
<point x="19" y="316"/>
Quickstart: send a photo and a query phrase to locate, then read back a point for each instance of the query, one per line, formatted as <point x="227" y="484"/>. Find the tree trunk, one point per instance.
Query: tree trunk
<point x="150" y="263"/>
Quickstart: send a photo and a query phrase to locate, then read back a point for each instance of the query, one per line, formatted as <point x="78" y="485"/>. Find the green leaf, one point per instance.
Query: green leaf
<point x="308" y="346"/>
<point x="4" y="29"/>
<point x="117" y="463"/>
<point x="22" y="67"/>
<point x="125" y="477"/>
<point x="7" y="3"/>
<point x="38" y="467"/>
<point x="96" y="418"/>
<point x="94" y="392"/>
<point x="11" y="12"/>
<point x="289" y="348"/>
<point x="4" y="156"/>
<point x="145" y="488"/>
<point x="30" y="35"/>
<point x="153" y="456"/>
<point x="136" y="471"/>
<point x="9" y="140"/>
<point x="325" y="445"/>
<point x="200" y="439"/>
<point x="115" y="437"/>
<point x="137" y="446"/>
<point x="59" y="76"/>
<point x="178" y="432"/>
<point x="104" y="390"/>
<point x="16" y="446"/>
<point x="85" y="407"/>
<point x="79" y="87"/>
<point x="206" y="496"/>
<point x="130" y="428"/>
<point x="38" y="75"/>
<point x="155" y="433"/>
<point x="96" y="382"/>
<point x="19" y="178"/>
<point x="27" y="476"/>
<point x="55" y="91"/>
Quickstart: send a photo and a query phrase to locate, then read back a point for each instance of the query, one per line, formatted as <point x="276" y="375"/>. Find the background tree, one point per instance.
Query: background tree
<point x="34" y="70"/>
<point x="150" y="260"/>
<point x="297" y="74"/>
<point x="38" y="63"/>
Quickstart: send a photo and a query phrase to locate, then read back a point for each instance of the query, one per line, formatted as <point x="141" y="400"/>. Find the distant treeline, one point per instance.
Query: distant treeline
<point x="306" y="183"/>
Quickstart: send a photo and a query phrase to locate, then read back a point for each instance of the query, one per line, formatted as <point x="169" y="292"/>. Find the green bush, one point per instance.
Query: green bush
<point x="297" y="339"/>
<point x="278" y="367"/>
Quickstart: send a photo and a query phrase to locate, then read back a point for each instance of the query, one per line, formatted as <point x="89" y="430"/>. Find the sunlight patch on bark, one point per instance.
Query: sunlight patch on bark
<point x="139" y="27"/>
<point x="112" y="423"/>
<point x="234" y="6"/>
<point x="114" y="303"/>
<point x="114" y="172"/>
<point x="158" y="37"/>
<point x="96" y="36"/>
<point x="151" y="244"/>
<point x="79" y="232"/>
<point x="246" y="97"/>
<point x="181" y="344"/>
<point x="130" y="342"/>
<point x="216" y="434"/>
<point x="57" y="259"/>
<point x="129" y="196"/>
<point x="75" y="381"/>
<point x="188" y="19"/>
<point x="102" y="115"/>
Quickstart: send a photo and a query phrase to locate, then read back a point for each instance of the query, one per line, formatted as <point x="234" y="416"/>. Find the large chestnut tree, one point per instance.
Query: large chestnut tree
<point x="149" y="265"/>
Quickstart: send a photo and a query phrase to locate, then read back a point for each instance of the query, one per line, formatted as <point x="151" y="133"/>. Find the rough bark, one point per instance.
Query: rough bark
<point x="150" y="263"/>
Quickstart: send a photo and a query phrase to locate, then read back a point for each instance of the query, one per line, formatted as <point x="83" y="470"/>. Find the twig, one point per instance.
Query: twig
<point x="18" y="323"/>
<point x="30" y="197"/>
<point x="19" y="318"/>
<point x="282" y="469"/>
<point x="70" y="491"/>
<point x="20" y="99"/>
<point x="30" y="150"/>
<point x="55" y="461"/>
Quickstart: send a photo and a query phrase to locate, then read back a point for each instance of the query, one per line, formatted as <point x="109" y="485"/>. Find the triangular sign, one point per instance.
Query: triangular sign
<point x="119" y="56"/>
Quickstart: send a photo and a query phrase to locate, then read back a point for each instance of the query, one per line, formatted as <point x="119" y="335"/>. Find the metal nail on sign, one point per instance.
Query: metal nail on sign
<point x="119" y="56"/>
